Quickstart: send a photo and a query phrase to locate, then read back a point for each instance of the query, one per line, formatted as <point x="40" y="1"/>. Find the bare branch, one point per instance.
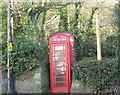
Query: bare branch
<point x="51" y="18"/>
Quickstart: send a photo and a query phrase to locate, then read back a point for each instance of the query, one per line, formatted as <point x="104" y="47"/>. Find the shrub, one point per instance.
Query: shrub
<point x="99" y="76"/>
<point x="85" y="47"/>
<point x="25" y="56"/>
<point x="109" y="47"/>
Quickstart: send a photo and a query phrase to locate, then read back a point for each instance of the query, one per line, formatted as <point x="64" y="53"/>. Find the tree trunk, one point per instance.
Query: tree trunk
<point x="90" y="22"/>
<point x="78" y="6"/>
<point x="43" y="23"/>
<point x="63" y="24"/>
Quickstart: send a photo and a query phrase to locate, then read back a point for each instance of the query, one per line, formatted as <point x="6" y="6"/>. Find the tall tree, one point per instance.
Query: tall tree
<point x="63" y="23"/>
<point x="43" y="23"/>
<point x="78" y="6"/>
<point x="90" y="21"/>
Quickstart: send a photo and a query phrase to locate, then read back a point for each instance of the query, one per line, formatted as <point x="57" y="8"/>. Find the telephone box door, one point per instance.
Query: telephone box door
<point x="59" y="68"/>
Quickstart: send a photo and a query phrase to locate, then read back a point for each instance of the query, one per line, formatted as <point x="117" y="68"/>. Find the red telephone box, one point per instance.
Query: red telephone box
<point x="62" y="55"/>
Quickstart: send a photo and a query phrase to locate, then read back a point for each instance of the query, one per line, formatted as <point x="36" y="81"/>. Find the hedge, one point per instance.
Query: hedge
<point x="99" y="76"/>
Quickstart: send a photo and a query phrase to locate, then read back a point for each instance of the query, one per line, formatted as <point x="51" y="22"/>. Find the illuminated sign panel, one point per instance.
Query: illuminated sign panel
<point x="59" y="39"/>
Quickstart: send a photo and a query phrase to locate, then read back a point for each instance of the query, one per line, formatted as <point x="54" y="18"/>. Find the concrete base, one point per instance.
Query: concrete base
<point x="34" y="81"/>
<point x="77" y="87"/>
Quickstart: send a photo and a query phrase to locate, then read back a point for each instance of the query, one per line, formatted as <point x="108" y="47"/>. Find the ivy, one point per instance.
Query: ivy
<point x="63" y="24"/>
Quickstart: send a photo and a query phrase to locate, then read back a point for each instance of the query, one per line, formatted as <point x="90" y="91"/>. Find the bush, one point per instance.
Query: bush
<point x="85" y="47"/>
<point x="109" y="47"/>
<point x="99" y="76"/>
<point x="25" y="56"/>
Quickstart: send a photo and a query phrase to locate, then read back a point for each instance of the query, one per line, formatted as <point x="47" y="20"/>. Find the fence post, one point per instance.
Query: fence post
<point x="99" y="56"/>
<point x="9" y="46"/>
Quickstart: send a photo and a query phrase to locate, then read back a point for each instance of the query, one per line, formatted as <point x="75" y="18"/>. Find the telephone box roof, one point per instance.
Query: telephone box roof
<point x="64" y="34"/>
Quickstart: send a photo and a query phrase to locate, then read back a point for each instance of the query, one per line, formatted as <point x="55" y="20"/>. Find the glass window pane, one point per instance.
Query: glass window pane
<point x="60" y="68"/>
<point x="58" y="47"/>
<point x="60" y="79"/>
<point x="73" y="57"/>
<point x="72" y="47"/>
<point x="59" y="63"/>
<point x="59" y="58"/>
<point x="64" y="47"/>
<point x="60" y="73"/>
<point x="59" y="84"/>
<point x="60" y="53"/>
<point x="72" y="52"/>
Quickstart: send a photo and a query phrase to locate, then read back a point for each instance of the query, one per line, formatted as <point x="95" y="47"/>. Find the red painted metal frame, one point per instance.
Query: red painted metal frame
<point x="61" y="39"/>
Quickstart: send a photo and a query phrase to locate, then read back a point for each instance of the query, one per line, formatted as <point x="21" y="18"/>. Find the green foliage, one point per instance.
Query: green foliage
<point x="3" y="15"/>
<point x="117" y="13"/>
<point x="63" y="24"/>
<point x="85" y="47"/>
<point x="28" y="33"/>
<point x="27" y="53"/>
<point x="35" y="10"/>
<point x="79" y="44"/>
<point x="99" y="76"/>
<point x="26" y="56"/>
<point x="109" y="47"/>
<point x="23" y="27"/>
<point x="43" y="23"/>
<point x="91" y="29"/>
<point x="78" y="6"/>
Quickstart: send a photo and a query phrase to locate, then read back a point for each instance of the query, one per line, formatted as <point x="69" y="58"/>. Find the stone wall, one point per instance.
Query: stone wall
<point x="35" y="81"/>
<point x="0" y="80"/>
<point x="78" y="87"/>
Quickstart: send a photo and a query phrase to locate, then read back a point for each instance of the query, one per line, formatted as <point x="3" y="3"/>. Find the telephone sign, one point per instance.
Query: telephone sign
<point x="62" y="55"/>
<point x="63" y="39"/>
